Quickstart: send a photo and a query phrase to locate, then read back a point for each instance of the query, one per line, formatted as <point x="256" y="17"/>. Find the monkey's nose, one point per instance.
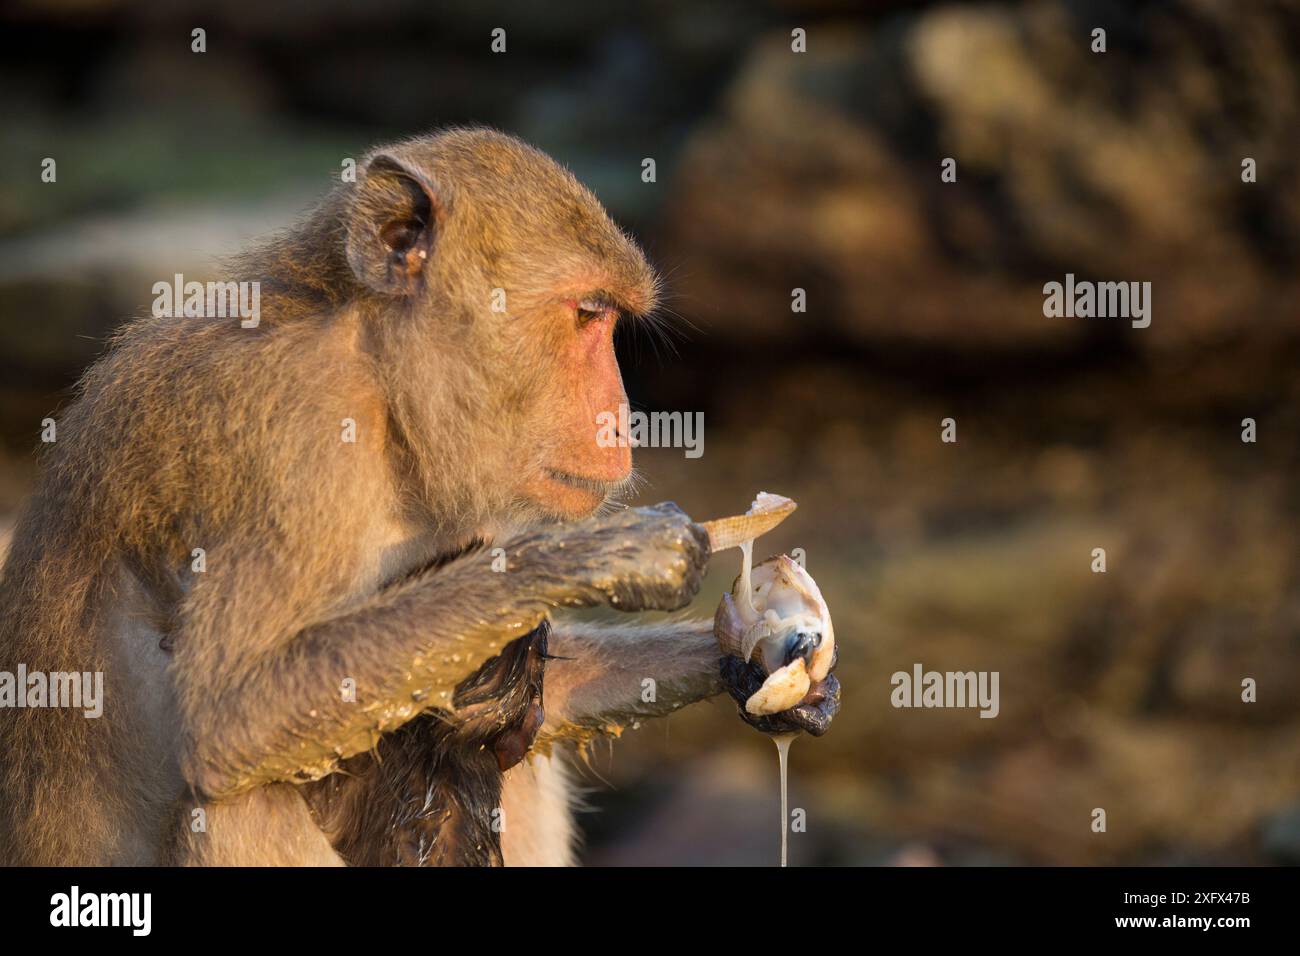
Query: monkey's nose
<point x="804" y="644"/>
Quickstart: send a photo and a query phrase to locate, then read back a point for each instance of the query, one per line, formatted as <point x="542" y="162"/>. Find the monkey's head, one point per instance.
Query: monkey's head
<point x="495" y="281"/>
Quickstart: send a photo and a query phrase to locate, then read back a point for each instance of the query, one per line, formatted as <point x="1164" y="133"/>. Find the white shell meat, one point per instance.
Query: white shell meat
<point x="775" y="614"/>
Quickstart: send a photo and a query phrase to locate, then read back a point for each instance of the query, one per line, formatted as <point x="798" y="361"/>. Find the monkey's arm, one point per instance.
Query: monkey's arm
<point x="613" y="675"/>
<point x="278" y="713"/>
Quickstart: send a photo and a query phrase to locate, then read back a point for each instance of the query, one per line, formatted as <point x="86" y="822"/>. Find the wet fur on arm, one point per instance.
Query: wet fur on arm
<point x="282" y="716"/>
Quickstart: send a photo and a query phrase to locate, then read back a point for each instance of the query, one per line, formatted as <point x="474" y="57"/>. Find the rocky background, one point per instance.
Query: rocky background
<point x="820" y="171"/>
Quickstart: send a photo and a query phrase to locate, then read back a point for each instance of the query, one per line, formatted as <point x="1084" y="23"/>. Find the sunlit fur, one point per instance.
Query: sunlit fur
<point x="222" y="687"/>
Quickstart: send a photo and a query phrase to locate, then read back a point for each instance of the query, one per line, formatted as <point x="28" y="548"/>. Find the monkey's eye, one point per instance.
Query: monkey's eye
<point x="593" y="310"/>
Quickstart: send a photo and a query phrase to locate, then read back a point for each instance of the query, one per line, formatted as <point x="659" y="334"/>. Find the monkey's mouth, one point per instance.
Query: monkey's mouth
<point x="592" y="485"/>
<point x="569" y="496"/>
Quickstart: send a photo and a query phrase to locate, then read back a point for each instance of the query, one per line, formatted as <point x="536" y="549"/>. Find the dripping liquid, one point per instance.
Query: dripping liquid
<point x="783" y="742"/>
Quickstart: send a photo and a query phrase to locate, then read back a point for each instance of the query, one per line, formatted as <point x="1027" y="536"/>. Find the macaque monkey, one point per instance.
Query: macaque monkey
<point x="354" y="673"/>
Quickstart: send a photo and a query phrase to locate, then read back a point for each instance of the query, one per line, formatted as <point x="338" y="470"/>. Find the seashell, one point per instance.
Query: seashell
<point x="763" y="515"/>
<point x="781" y="691"/>
<point x="729" y="629"/>
<point x="774" y="610"/>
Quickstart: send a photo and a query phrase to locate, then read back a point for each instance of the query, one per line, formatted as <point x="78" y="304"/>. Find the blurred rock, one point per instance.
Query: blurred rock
<point x="823" y="172"/>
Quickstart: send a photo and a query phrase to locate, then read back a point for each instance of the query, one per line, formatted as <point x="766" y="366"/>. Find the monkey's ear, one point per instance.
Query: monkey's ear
<point x="391" y="226"/>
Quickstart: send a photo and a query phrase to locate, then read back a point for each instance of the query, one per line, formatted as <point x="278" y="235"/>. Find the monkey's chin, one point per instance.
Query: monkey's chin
<point x="565" y="495"/>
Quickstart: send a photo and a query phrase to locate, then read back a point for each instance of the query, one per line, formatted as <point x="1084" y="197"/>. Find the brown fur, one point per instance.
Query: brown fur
<point x="222" y="688"/>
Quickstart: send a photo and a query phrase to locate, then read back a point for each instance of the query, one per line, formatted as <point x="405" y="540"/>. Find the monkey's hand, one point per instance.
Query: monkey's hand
<point x="651" y="558"/>
<point x="813" y="714"/>
<point x="640" y="559"/>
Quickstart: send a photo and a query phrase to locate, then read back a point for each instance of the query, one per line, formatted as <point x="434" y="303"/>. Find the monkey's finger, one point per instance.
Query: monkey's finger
<point x="815" y="713"/>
